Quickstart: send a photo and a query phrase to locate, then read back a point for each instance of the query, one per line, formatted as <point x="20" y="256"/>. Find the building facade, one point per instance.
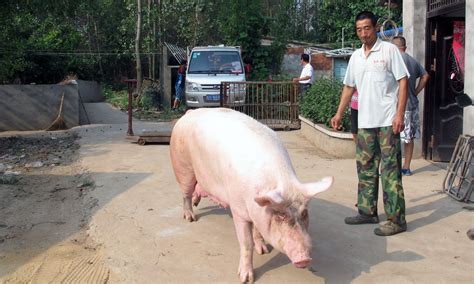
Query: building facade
<point x="440" y="35"/>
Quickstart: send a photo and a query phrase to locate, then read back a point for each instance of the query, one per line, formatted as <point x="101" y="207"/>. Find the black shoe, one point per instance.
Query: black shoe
<point x="389" y="228"/>
<point x="361" y="219"/>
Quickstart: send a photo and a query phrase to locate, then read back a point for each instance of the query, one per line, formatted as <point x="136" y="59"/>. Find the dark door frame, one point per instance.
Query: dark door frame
<point x="436" y="31"/>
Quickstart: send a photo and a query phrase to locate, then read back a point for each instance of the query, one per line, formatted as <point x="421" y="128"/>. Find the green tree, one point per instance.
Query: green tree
<point x="245" y="31"/>
<point x="335" y="17"/>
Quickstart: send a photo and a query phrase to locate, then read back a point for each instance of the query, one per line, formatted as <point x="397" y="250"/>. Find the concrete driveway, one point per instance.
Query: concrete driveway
<point x="139" y="222"/>
<point x="128" y="227"/>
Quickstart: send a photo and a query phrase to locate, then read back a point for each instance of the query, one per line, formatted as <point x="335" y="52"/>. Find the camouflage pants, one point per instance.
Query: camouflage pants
<point x="380" y="147"/>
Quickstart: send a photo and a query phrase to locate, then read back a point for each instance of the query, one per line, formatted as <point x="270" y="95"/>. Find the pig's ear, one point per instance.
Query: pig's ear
<point x="311" y="189"/>
<point x="272" y="197"/>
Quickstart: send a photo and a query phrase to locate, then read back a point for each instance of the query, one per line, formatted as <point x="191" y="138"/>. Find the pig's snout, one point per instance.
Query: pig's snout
<point x="302" y="263"/>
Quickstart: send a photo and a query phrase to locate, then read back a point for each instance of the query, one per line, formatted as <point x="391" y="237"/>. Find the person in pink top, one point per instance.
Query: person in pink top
<point x="354" y="113"/>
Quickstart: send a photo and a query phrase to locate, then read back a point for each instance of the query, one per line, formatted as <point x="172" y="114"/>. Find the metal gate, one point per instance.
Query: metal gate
<point x="459" y="180"/>
<point x="274" y="104"/>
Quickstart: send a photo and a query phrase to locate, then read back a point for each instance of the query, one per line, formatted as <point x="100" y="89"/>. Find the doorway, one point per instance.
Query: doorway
<point x="443" y="118"/>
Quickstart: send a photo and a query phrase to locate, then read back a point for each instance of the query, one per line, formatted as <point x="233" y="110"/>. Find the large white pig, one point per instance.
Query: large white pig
<point x="242" y="164"/>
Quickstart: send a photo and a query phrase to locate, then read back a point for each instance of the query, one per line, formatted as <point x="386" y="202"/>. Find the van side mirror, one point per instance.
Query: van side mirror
<point x="464" y="100"/>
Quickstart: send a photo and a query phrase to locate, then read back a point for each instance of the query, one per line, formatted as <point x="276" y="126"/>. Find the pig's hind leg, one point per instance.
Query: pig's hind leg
<point x="198" y="193"/>
<point x="259" y="243"/>
<point x="187" y="182"/>
<point x="183" y="170"/>
<point x="188" y="213"/>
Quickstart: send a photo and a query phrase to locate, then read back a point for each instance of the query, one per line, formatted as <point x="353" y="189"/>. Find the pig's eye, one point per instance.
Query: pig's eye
<point x="304" y="214"/>
<point x="280" y="216"/>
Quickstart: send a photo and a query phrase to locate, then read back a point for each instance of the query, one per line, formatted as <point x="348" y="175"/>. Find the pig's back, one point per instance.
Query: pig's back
<point x="229" y="149"/>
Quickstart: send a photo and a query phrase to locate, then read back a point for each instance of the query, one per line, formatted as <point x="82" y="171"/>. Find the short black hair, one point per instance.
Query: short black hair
<point x="367" y="15"/>
<point x="399" y="41"/>
<point x="305" y="57"/>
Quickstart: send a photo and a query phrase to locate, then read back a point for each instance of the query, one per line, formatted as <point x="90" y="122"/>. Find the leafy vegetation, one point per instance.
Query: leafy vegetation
<point x="321" y="101"/>
<point x="11" y="180"/>
<point x="118" y="99"/>
<point x="146" y="110"/>
<point x="95" y="39"/>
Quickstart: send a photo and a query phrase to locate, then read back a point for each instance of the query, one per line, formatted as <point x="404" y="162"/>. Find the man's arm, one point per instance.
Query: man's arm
<point x="301" y="78"/>
<point x="422" y="83"/>
<point x="398" y="123"/>
<point x="345" y="99"/>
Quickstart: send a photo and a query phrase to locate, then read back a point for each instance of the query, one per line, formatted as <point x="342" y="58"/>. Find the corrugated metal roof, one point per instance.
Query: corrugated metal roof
<point x="341" y="52"/>
<point x="178" y="52"/>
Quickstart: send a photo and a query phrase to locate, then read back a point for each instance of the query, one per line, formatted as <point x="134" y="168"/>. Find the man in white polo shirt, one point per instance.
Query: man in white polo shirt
<point x="378" y="72"/>
<point x="306" y="78"/>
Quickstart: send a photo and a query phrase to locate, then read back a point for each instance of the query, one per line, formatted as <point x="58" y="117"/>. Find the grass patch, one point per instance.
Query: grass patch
<point x="117" y="98"/>
<point x="88" y="182"/>
<point x="10" y="180"/>
<point x="146" y="110"/>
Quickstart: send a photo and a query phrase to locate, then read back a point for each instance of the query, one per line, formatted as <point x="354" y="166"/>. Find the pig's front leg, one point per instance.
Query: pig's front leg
<point x="243" y="229"/>
<point x="259" y="243"/>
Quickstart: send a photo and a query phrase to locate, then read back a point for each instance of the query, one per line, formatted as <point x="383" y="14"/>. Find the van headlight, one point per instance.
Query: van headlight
<point x="192" y="87"/>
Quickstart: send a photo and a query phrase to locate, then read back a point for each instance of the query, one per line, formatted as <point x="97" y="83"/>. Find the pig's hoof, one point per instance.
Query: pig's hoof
<point x="246" y="275"/>
<point x="196" y="200"/>
<point x="261" y="247"/>
<point x="189" y="216"/>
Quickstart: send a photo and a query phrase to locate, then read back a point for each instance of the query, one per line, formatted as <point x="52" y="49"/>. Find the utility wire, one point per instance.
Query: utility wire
<point x="55" y="53"/>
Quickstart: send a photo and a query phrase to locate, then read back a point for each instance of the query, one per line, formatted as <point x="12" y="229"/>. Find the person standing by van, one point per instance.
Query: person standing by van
<point x="306" y="78"/>
<point x="179" y="86"/>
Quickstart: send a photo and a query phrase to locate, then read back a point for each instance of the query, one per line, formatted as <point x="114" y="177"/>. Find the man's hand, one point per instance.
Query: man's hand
<point x="336" y="122"/>
<point x="398" y="124"/>
<point x="296" y="79"/>
<point x="345" y="99"/>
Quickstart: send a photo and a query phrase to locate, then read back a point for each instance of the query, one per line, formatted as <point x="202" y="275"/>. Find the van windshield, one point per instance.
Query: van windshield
<point x="218" y="62"/>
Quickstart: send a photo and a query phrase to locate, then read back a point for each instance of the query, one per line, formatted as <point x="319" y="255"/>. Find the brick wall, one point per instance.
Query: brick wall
<point x="321" y="62"/>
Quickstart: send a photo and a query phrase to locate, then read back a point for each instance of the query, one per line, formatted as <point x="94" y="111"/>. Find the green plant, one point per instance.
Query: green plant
<point x="88" y="182"/>
<point x="321" y="101"/>
<point x="117" y="98"/>
<point x="11" y="180"/>
<point x="282" y="77"/>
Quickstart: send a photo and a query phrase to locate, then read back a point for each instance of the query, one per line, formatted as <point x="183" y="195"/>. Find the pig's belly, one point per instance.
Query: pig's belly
<point x="203" y="193"/>
<point x="222" y="187"/>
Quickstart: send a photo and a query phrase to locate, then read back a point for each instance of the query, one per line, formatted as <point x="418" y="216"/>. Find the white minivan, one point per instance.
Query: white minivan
<point x="207" y="68"/>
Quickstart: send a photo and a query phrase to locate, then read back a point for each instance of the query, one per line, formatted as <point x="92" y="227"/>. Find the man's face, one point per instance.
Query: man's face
<point x="366" y="32"/>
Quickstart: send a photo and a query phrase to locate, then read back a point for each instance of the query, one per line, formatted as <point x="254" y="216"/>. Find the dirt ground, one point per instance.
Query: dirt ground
<point x="45" y="209"/>
<point x="99" y="209"/>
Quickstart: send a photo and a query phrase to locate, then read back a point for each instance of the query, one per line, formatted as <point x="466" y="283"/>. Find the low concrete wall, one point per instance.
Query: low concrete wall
<point x="90" y="91"/>
<point x="35" y="107"/>
<point x="336" y="144"/>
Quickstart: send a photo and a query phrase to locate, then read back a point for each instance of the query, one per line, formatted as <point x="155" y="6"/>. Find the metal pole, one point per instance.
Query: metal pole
<point x="343" y="37"/>
<point x="130" y="130"/>
<point x="130" y="83"/>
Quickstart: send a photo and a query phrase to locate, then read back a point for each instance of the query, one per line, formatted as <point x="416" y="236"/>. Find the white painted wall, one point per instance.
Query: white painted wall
<point x="414" y="29"/>
<point x="468" y="122"/>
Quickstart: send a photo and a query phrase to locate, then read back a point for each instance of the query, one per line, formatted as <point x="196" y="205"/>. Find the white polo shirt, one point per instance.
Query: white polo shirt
<point x="307" y="71"/>
<point x="375" y="78"/>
